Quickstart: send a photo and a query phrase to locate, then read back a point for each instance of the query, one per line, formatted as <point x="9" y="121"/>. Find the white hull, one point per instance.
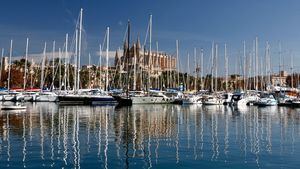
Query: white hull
<point x="29" y="98"/>
<point x="19" y="97"/>
<point x="212" y="101"/>
<point x="192" y="100"/>
<point x="46" y="98"/>
<point x="150" y="100"/>
<point x="13" y="107"/>
<point x="241" y="103"/>
<point x="9" y="98"/>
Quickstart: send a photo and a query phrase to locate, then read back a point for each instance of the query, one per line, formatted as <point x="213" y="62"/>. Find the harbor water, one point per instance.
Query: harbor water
<point x="48" y="135"/>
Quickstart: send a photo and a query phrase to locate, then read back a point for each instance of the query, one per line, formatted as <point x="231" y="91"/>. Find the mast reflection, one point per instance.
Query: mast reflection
<point x="144" y="136"/>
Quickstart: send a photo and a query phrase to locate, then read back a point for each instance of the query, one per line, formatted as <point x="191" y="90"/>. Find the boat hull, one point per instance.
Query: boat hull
<point x="123" y="101"/>
<point x="86" y="100"/>
<point x="150" y="100"/>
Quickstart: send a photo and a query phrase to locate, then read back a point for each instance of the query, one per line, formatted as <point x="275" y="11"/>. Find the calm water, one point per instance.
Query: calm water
<point x="149" y="136"/>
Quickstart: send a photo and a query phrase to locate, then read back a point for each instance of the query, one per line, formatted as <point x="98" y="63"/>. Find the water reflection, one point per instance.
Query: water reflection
<point x="149" y="136"/>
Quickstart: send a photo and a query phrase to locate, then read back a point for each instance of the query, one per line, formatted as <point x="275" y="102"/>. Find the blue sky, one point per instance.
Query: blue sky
<point x="195" y="23"/>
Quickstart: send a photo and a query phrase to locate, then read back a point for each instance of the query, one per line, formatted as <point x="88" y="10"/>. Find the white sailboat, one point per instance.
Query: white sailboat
<point x="192" y="99"/>
<point x="11" y="94"/>
<point x="45" y="96"/>
<point x="16" y="106"/>
<point x="151" y="96"/>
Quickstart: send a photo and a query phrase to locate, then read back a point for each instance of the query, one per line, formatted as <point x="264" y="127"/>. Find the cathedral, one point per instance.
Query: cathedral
<point x="139" y="67"/>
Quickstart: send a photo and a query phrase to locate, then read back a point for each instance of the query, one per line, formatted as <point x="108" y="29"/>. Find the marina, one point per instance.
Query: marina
<point x="154" y="84"/>
<point x="154" y="136"/>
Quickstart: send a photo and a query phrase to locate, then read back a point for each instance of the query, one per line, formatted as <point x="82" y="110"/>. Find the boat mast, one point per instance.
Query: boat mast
<point x="292" y="73"/>
<point x="253" y="64"/>
<point x="212" y="66"/>
<point x="127" y="56"/>
<point x="167" y="73"/>
<point x="178" y="69"/>
<point x="31" y="79"/>
<point x="134" y="67"/>
<point x="196" y="69"/>
<point x="59" y="63"/>
<point x="216" y="67"/>
<point x="43" y="67"/>
<point x="150" y="42"/>
<point x="226" y="67"/>
<point x="9" y="65"/>
<point x="157" y="66"/>
<point x="75" y="60"/>
<point x="280" y="64"/>
<point x="256" y="62"/>
<point x="100" y="64"/>
<point x="53" y="66"/>
<point x="188" y="74"/>
<point x="66" y="56"/>
<point x="79" y="49"/>
<point x="201" y="69"/>
<point x="107" y="48"/>
<point x="25" y="69"/>
<point x="269" y="64"/>
<point x="89" y="70"/>
<point x="244" y="65"/>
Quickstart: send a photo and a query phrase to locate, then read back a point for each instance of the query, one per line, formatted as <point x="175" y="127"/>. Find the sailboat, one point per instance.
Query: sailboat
<point x="15" y="106"/>
<point x="267" y="100"/>
<point x="214" y="98"/>
<point x="45" y="96"/>
<point x="86" y="96"/>
<point x="12" y="95"/>
<point x="150" y="96"/>
<point x="124" y="99"/>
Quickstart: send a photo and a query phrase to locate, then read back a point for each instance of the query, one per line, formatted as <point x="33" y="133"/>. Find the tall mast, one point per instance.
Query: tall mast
<point x="31" y="79"/>
<point x="178" y="69"/>
<point x="100" y="64"/>
<point x="216" y="68"/>
<point x="59" y="72"/>
<point x="89" y="70"/>
<point x="53" y="65"/>
<point x="66" y="57"/>
<point x="157" y="65"/>
<point x="9" y="65"/>
<point x="43" y="66"/>
<point x="107" y="48"/>
<point x="127" y="50"/>
<point x="196" y="69"/>
<point x="212" y="66"/>
<point x="280" y="62"/>
<point x="226" y="67"/>
<point x="79" y="49"/>
<point x="168" y="67"/>
<point x="201" y="69"/>
<point x="292" y="73"/>
<point x="25" y="69"/>
<point x="269" y="63"/>
<point x="150" y="42"/>
<point x="244" y="65"/>
<point x="266" y="65"/>
<point x="134" y="67"/>
<point x="188" y="74"/>
<point x="256" y="62"/>
<point x="75" y="60"/>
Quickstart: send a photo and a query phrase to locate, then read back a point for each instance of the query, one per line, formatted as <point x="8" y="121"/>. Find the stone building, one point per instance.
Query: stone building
<point x="279" y="79"/>
<point x="140" y="62"/>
